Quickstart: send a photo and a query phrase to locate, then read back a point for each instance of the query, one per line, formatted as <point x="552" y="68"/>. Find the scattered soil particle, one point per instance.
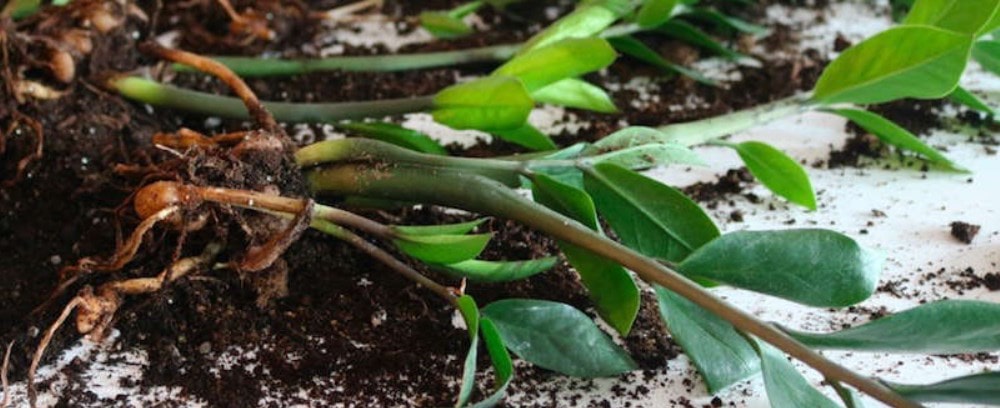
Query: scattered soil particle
<point x="964" y="231"/>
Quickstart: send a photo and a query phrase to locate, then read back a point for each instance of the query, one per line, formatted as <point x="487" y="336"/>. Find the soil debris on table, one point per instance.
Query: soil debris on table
<point x="964" y="231"/>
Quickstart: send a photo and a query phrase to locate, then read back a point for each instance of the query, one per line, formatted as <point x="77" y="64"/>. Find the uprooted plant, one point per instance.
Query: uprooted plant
<point x="665" y="238"/>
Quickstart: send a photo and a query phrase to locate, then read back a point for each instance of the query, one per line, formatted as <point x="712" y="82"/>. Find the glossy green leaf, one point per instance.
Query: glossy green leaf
<point x="902" y="62"/>
<point x="944" y="327"/>
<point x="963" y="96"/>
<point x="694" y="36"/>
<point x="397" y="135"/>
<point x="778" y="172"/>
<point x="442" y="249"/>
<point x="503" y="366"/>
<point x="470" y="313"/>
<point x="557" y="337"/>
<point x="634" y="48"/>
<point x="963" y="16"/>
<point x="987" y="54"/>
<point x="491" y="103"/>
<point x="528" y="136"/>
<point x="442" y="25"/>
<point x="18" y="9"/>
<point x="723" y="20"/>
<point x="568" y="58"/>
<point x="646" y="156"/>
<point x="576" y="93"/>
<point x="476" y="270"/>
<point x="786" y="388"/>
<point x="893" y="134"/>
<point x="655" y="12"/>
<point x="648" y="216"/>
<point x="587" y="20"/>
<point x="720" y="353"/>
<point x="441" y="229"/>
<point x="810" y="266"/>
<point x="610" y="287"/>
<point x="981" y="388"/>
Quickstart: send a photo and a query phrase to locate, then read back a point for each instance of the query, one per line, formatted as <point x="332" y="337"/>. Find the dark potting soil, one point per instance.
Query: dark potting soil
<point x="382" y="339"/>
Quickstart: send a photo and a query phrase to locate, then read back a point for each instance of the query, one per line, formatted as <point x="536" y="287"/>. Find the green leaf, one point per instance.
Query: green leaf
<point x="528" y="136"/>
<point x="557" y="337"/>
<point x="963" y="16"/>
<point x="568" y="58"/>
<point x="397" y="135"/>
<point x="443" y="229"/>
<point x="778" y="172"/>
<point x="611" y="288"/>
<point x="810" y="266"/>
<point x="981" y="389"/>
<point x="727" y="21"/>
<point x="694" y="36"/>
<point x="987" y="54"/>
<point x="442" y="25"/>
<point x="655" y="12"/>
<point x="963" y="96"/>
<point x="893" y="134"/>
<point x="499" y="271"/>
<point x="786" y="388"/>
<point x="576" y="93"/>
<point x="944" y="327"/>
<point x="902" y="62"/>
<point x="721" y="354"/>
<point x="503" y="367"/>
<point x="470" y="313"/>
<point x="646" y="156"/>
<point x="636" y="49"/>
<point x="442" y="249"/>
<point x="650" y="217"/>
<point x="491" y="103"/>
<point x="18" y="9"/>
<point x="587" y="20"/>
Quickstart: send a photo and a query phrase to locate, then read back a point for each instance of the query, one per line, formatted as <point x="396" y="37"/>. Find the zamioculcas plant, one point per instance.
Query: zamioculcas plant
<point x="664" y="238"/>
<point x="922" y="58"/>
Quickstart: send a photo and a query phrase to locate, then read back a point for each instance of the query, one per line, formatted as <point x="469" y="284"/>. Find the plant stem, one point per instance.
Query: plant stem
<point x="705" y="130"/>
<point x="366" y="150"/>
<point x="157" y="94"/>
<point x="263" y="67"/>
<point x="328" y="220"/>
<point x="384" y="257"/>
<point x="486" y="196"/>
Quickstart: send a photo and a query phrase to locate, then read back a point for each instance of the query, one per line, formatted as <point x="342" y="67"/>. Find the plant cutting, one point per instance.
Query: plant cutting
<point x="676" y="244"/>
<point x="676" y="249"/>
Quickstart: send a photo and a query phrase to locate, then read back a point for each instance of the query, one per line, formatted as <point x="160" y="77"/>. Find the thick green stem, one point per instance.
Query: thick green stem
<point x="263" y="67"/>
<point x="705" y="130"/>
<point x="486" y="196"/>
<point x="366" y="150"/>
<point x="157" y="94"/>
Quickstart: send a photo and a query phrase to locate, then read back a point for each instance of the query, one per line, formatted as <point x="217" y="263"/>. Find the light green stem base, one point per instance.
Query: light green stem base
<point x="157" y="94"/>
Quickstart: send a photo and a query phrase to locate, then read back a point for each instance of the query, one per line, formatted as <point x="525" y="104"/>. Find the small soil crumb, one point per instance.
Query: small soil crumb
<point x="964" y="231"/>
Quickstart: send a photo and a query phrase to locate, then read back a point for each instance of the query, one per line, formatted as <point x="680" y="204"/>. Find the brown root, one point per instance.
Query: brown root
<point x="256" y="109"/>
<point x="262" y="257"/>
<point x="24" y="162"/>
<point x="3" y="376"/>
<point x="96" y="309"/>
<point x="40" y="351"/>
<point x="70" y="274"/>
